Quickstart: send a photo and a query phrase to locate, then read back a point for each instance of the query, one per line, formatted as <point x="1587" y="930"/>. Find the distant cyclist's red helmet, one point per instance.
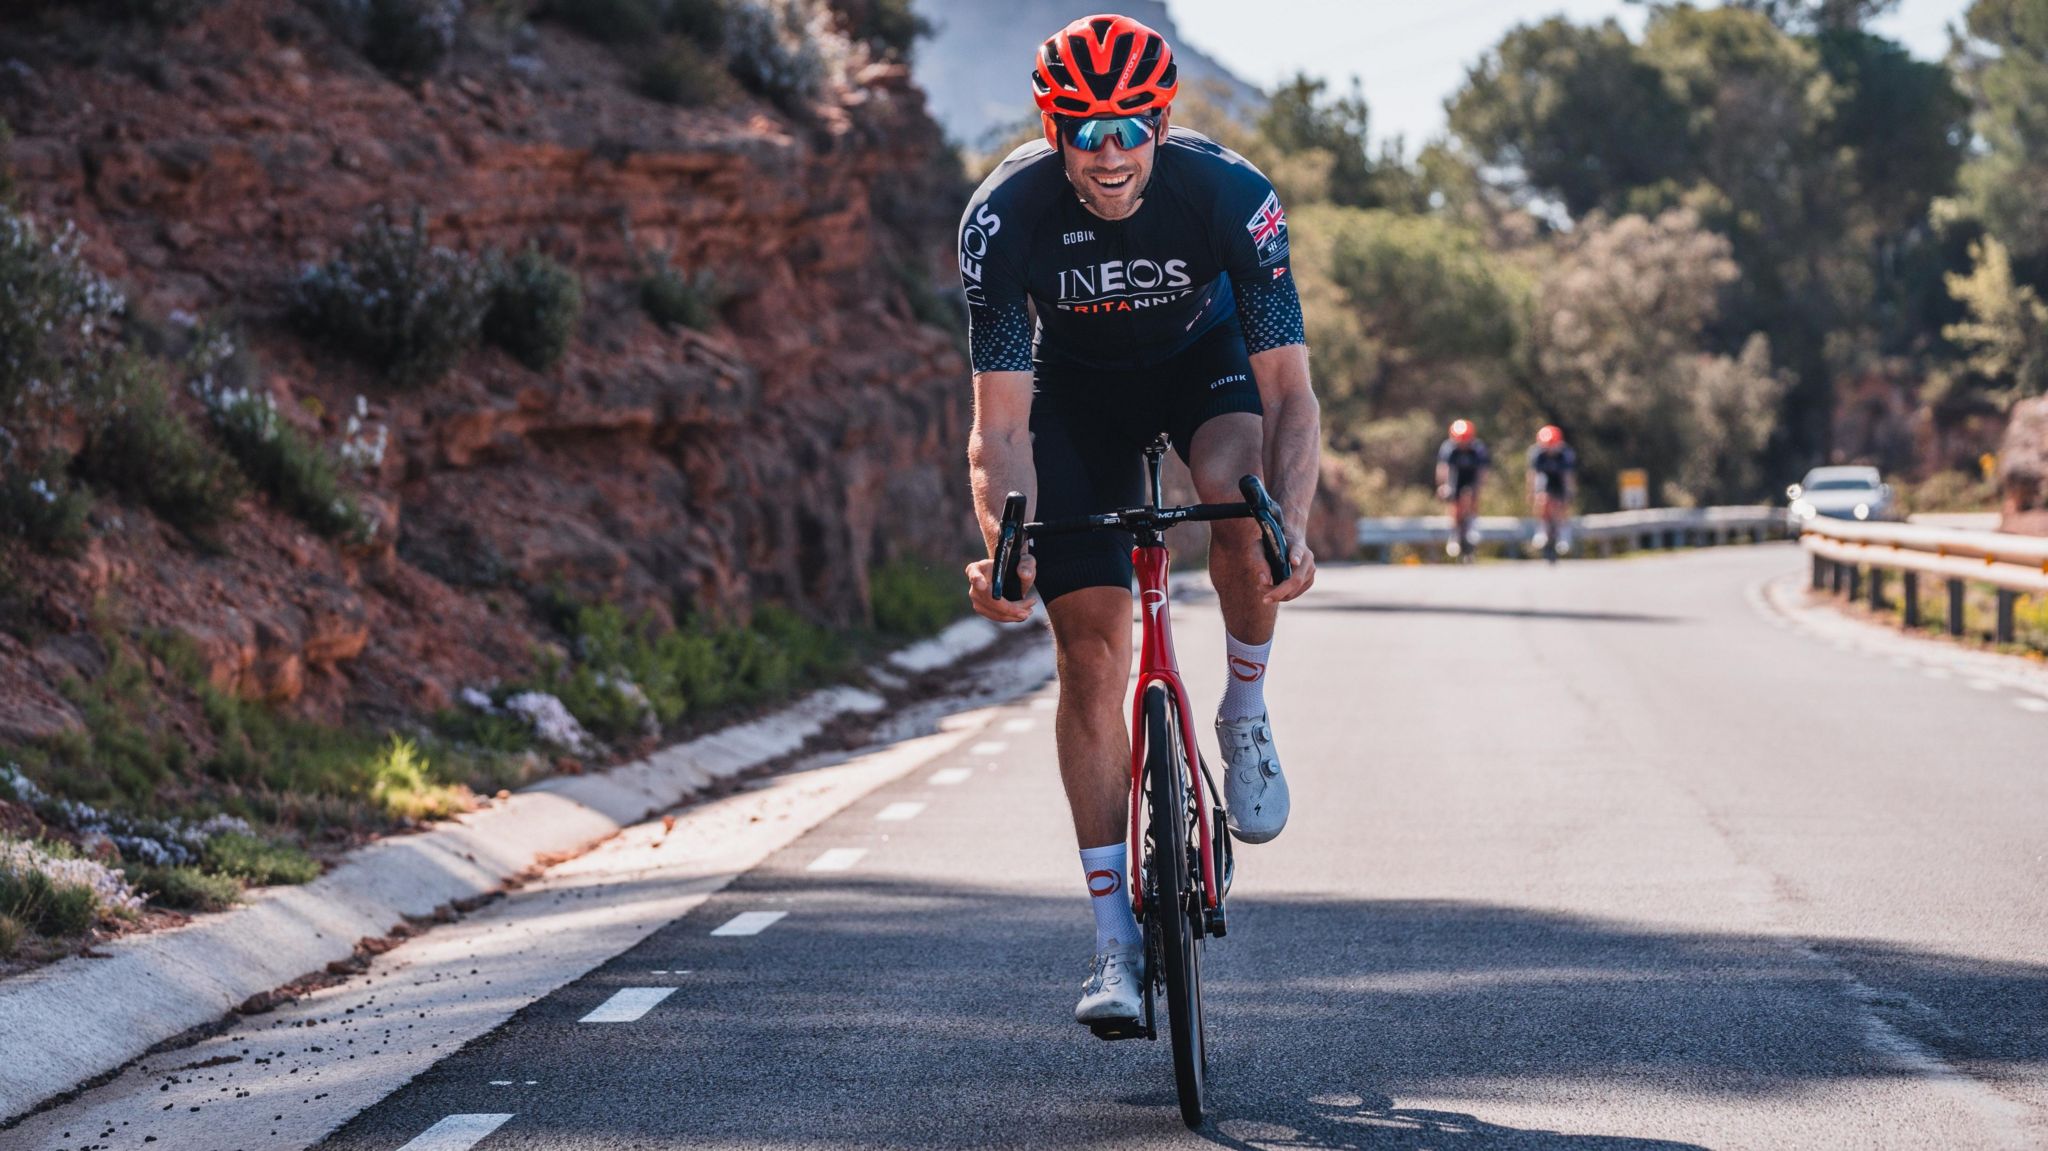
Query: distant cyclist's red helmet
<point x="1103" y="66"/>
<point x="1549" y="435"/>
<point x="1461" y="431"/>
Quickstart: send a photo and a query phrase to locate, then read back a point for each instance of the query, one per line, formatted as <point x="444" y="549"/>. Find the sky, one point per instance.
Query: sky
<point x="1412" y="56"/>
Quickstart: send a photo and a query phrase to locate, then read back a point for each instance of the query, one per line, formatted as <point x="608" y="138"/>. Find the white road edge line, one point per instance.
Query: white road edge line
<point x="456" y="1133"/>
<point x="947" y="777"/>
<point x="899" y="812"/>
<point x="838" y="859"/>
<point x="749" y="923"/>
<point x="628" y="1004"/>
<point x="988" y="747"/>
<point x="1021" y="723"/>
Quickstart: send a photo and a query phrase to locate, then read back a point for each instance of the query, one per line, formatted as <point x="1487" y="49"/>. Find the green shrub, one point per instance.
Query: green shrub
<point x="703" y="21"/>
<point x="39" y="505"/>
<point x="773" y="48"/>
<point x="672" y="299"/>
<point x="144" y="450"/>
<point x="683" y="74"/>
<point x="410" y="38"/>
<point x="911" y="600"/>
<point x="11" y="932"/>
<point x="400" y="784"/>
<point x="56" y="330"/>
<point x="278" y="458"/>
<point x="608" y="21"/>
<point x="536" y="304"/>
<point x="890" y="24"/>
<point x="46" y="906"/>
<point x="186" y="888"/>
<point x="395" y="301"/>
<point x="256" y="861"/>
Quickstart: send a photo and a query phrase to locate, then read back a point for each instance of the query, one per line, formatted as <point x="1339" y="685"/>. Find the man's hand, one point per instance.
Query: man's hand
<point x="980" y="577"/>
<point x="1304" y="576"/>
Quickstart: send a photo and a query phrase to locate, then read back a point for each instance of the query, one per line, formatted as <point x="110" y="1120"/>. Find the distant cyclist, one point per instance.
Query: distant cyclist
<point x="1462" y="462"/>
<point x="1553" y="484"/>
<point x="1157" y="263"/>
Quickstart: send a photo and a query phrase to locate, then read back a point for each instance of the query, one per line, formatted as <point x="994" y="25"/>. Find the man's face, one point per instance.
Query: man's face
<point x="1112" y="181"/>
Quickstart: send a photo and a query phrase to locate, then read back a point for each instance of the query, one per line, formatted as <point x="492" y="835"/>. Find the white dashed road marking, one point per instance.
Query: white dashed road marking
<point x="628" y="1005"/>
<point x="988" y="747"/>
<point x="456" y="1133"/>
<point x="951" y="776"/>
<point x="749" y="923"/>
<point x="898" y="812"/>
<point x="1021" y="723"/>
<point x="838" y="859"/>
<point x="2031" y="703"/>
<point x="1045" y="703"/>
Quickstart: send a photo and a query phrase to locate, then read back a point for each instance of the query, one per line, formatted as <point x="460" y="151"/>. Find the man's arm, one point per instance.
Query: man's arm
<point x="998" y="463"/>
<point x="1293" y="453"/>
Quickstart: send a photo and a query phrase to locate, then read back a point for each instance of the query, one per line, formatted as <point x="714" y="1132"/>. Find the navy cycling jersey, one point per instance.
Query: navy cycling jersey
<point x="1207" y="245"/>
<point x="1555" y="467"/>
<point x="1464" y="460"/>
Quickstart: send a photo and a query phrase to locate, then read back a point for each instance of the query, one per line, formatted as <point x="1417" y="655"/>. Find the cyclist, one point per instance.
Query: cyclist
<point x="1553" y="481"/>
<point x="1156" y="262"/>
<point x="1461" y="465"/>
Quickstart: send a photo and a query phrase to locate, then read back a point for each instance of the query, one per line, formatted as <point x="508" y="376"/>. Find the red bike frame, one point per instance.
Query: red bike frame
<point x="1156" y="664"/>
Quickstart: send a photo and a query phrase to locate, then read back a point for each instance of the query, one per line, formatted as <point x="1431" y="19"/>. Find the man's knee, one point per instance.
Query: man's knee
<point x="1092" y="632"/>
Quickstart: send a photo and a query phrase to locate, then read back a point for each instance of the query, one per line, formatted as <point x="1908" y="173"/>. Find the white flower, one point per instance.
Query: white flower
<point x="551" y="720"/>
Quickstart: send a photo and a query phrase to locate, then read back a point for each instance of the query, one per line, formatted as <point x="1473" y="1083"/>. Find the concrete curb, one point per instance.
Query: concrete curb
<point x="78" y="1019"/>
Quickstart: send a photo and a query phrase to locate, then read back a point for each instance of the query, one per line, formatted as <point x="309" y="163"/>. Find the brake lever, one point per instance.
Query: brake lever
<point x="1006" y="583"/>
<point x="1272" y="536"/>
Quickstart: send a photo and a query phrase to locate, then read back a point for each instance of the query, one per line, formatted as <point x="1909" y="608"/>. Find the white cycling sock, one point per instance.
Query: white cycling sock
<point x="1108" y="876"/>
<point x="1244" y="693"/>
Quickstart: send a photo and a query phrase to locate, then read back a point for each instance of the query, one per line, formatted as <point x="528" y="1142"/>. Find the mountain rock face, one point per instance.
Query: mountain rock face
<point x="816" y="430"/>
<point x="977" y="66"/>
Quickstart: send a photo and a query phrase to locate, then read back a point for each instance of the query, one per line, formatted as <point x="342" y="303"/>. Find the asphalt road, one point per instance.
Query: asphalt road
<point x="1602" y="855"/>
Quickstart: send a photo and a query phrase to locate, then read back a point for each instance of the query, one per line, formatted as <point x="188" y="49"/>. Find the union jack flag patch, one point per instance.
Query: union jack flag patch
<point x="1268" y="228"/>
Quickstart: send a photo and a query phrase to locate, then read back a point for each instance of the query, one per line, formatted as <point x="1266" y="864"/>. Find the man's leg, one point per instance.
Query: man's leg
<point x="1091" y="630"/>
<point x="1225" y="448"/>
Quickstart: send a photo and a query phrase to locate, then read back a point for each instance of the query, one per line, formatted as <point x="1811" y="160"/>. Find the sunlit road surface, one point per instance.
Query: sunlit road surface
<point x="1601" y="855"/>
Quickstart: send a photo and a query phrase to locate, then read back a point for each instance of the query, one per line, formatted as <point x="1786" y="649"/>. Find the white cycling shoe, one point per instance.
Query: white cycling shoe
<point x="1254" y="791"/>
<point x="1114" y="992"/>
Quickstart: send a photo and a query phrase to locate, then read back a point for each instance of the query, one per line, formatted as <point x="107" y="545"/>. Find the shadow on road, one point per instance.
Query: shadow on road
<point x="1313" y="604"/>
<point x="890" y="1014"/>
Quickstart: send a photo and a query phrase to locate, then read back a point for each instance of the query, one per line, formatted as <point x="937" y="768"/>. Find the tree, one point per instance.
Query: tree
<point x="1819" y="15"/>
<point x="2005" y="339"/>
<point x="2003" y="66"/>
<point x="1573" y="112"/>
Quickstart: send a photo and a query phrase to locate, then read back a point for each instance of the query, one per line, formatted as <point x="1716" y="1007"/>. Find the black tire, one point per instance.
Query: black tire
<point x="1180" y="950"/>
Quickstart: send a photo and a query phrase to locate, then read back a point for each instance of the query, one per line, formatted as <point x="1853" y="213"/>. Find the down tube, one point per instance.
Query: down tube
<point x="1157" y="664"/>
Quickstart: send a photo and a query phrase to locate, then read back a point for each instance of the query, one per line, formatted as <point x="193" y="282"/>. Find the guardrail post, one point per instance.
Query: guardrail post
<point x="1877" y="589"/>
<point x="1955" y="607"/>
<point x="1836" y="576"/>
<point x="1820" y="571"/>
<point x="1855" y="583"/>
<point x="2006" y="601"/>
<point x="1911" y="580"/>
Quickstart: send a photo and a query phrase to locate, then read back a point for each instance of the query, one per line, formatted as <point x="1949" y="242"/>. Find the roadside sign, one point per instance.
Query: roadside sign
<point x="1635" y="489"/>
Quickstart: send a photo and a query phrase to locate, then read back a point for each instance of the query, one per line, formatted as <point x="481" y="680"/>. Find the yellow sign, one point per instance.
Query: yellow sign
<point x="1635" y="489"/>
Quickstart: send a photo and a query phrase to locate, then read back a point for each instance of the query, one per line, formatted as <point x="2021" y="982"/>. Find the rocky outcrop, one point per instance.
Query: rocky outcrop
<point x="814" y="432"/>
<point x="2023" y="469"/>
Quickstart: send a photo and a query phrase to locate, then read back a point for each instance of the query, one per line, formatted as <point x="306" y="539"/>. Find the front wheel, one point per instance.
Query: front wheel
<point x="1176" y="898"/>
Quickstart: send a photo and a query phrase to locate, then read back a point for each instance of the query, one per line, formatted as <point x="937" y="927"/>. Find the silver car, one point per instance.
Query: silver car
<point x="1845" y="493"/>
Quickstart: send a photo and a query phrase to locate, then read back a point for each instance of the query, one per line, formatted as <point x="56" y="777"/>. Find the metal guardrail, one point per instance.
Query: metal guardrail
<point x="1605" y="532"/>
<point x="2015" y="565"/>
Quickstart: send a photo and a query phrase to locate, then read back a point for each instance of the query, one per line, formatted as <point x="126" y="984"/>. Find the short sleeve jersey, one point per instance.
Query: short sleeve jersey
<point x="1207" y="246"/>
<point x="1555" y="467"/>
<point x="1464" y="460"/>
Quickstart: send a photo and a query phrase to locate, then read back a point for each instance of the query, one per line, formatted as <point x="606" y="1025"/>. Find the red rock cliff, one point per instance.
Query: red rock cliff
<point x="817" y="430"/>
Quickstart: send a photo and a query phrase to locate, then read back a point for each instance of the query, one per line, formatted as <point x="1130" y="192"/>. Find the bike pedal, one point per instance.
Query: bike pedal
<point x="1119" y="1029"/>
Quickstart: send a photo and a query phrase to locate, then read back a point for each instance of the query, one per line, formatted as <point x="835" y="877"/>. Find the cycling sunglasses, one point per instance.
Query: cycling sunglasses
<point x="1127" y="131"/>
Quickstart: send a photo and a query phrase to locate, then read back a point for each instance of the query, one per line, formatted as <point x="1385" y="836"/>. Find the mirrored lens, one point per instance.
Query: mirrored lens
<point x="1127" y="131"/>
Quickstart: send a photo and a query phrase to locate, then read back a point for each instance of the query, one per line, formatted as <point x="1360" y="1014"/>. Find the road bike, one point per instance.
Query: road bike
<point x="1177" y="815"/>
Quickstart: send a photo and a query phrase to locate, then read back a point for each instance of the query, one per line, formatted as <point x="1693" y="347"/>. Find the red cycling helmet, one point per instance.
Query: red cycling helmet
<point x="1102" y="66"/>
<point x="1461" y="431"/>
<point x="1549" y="435"/>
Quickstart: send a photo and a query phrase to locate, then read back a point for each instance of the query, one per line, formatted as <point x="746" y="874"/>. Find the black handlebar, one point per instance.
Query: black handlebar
<point x="1258" y="505"/>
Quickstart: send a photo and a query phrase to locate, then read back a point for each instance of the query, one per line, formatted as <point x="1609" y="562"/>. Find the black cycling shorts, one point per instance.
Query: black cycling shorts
<point x="1089" y="429"/>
